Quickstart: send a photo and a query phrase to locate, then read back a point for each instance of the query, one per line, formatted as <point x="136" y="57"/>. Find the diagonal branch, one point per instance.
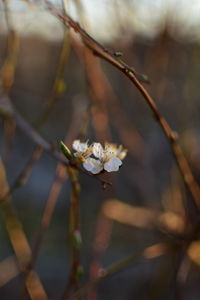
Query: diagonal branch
<point x="7" y="110"/>
<point x="110" y="57"/>
<point x="151" y="252"/>
<point x="19" y="240"/>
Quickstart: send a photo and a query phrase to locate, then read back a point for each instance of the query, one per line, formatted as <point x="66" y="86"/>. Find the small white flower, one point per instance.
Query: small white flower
<point x="108" y="158"/>
<point x="83" y="151"/>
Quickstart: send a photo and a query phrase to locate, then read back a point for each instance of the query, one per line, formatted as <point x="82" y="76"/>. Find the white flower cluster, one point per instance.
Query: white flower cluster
<point x="95" y="157"/>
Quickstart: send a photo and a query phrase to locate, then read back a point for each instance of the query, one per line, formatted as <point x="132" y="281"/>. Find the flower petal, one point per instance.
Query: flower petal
<point x="97" y="150"/>
<point x="75" y="145"/>
<point x="98" y="167"/>
<point x="113" y="164"/>
<point x="79" y="147"/>
<point x="88" y="165"/>
<point x="93" y="165"/>
<point x="83" y="147"/>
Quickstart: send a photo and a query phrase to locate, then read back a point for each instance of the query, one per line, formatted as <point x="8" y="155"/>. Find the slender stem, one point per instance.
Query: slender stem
<point x="109" y="56"/>
<point x="150" y="252"/>
<point x="19" y="241"/>
<point x="60" y="179"/>
<point x="7" y="76"/>
<point x="23" y="176"/>
<point x="58" y="83"/>
<point x="75" y="234"/>
<point x="7" y="110"/>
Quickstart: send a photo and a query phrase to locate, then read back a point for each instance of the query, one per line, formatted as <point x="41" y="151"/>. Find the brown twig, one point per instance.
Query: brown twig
<point x="7" y="75"/>
<point x="19" y="241"/>
<point x="150" y="252"/>
<point x="7" y="71"/>
<point x="23" y="176"/>
<point x="61" y="177"/>
<point x="102" y="92"/>
<point x="75" y="234"/>
<point x="58" y="86"/>
<point x="105" y="54"/>
<point x="7" y="110"/>
<point x="101" y="123"/>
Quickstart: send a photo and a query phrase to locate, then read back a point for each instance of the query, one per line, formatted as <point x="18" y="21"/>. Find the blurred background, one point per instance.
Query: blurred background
<point x="64" y="92"/>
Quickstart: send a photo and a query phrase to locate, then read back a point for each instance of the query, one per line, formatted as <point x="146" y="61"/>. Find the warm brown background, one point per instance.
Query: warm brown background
<point x="148" y="178"/>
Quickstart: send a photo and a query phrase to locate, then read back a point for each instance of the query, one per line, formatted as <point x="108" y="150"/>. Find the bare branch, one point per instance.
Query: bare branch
<point x="108" y="56"/>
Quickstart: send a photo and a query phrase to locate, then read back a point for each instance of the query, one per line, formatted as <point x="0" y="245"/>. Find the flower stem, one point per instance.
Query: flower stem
<point x="74" y="231"/>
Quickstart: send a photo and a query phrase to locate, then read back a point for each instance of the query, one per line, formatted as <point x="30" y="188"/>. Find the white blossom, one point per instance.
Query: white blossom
<point x="83" y="151"/>
<point x="108" y="158"/>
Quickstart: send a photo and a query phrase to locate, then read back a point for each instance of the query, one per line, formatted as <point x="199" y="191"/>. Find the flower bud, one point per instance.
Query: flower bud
<point x="65" y="150"/>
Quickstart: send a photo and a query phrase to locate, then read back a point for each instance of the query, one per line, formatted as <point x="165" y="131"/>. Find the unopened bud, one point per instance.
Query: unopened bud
<point x="65" y="150"/>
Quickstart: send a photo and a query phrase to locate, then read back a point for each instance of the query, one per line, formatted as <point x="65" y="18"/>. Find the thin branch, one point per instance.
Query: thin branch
<point x="61" y="177"/>
<point x="150" y="252"/>
<point x="7" y="71"/>
<point x="58" y="83"/>
<point x="75" y="234"/>
<point x="23" y="176"/>
<point x="19" y="242"/>
<point x="7" y="76"/>
<point x="109" y="56"/>
<point x="124" y="128"/>
<point x="7" y="110"/>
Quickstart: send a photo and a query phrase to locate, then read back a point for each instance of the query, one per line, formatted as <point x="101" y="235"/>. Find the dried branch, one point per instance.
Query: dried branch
<point x="109" y="56"/>
<point x="19" y="241"/>
<point x="58" y="86"/>
<point x="7" y="71"/>
<point x="7" y="110"/>
<point x="7" y="76"/>
<point x="23" y="176"/>
<point x="60" y="179"/>
<point x="75" y="234"/>
<point x="150" y="252"/>
<point x="104" y="91"/>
